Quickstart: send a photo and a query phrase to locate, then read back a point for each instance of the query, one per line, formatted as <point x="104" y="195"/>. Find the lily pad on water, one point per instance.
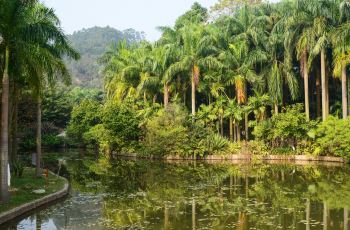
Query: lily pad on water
<point x="39" y="191"/>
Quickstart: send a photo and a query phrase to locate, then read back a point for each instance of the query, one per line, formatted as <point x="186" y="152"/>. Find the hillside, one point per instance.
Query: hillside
<point x="91" y="44"/>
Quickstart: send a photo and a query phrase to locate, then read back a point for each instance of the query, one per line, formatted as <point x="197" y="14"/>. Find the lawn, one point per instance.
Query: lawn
<point x="22" y="188"/>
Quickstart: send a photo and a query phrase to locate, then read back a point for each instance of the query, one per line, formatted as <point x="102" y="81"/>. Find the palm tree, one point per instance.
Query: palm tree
<point x="323" y="13"/>
<point x="198" y="53"/>
<point x="258" y="104"/>
<point x="45" y="63"/>
<point x="234" y="112"/>
<point x="340" y="37"/>
<point x="296" y="24"/>
<point x="14" y="33"/>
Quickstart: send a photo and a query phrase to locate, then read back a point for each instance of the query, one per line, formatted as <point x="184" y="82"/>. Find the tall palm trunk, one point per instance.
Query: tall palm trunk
<point x="193" y="93"/>
<point x="323" y="85"/>
<point x="246" y="127"/>
<point x="238" y="133"/>
<point x="231" y="129"/>
<point x="13" y="120"/>
<point x="38" y="139"/>
<point x="344" y="93"/>
<point x="318" y="95"/>
<point x="166" y="94"/>
<point x="221" y="125"/>
<point x="306" y="86"/>
<point x="5" y="196"/>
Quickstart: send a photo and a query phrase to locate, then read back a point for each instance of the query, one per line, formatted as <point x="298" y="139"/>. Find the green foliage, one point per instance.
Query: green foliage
<point x="166" y="132"/>
<point x="18" y="168"/>
<point x="52" y="140"/>
<point x="84" y="116"/>
<point x="57" y="107"/>
<point x="285" y="129"/>
<point x="170" y="132"/>
<point x="112" y="127"/>
<point x="332" y="138"/>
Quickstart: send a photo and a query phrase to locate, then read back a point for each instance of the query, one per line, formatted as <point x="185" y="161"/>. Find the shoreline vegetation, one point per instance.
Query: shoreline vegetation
<point x="270" y="75"/>
<point x="260" y="78"/>
<point x="26" y="194"/>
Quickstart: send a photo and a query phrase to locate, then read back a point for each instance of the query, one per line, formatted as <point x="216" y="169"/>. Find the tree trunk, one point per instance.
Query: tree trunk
<point x="193" y="98"/>
<point x="221" y="125"/>
<point x="276" y="108"/>
<point x="323" y="85"/>
<point x="144" y="97"/>
<point x="234" y="132"/>
<point x="238" y="133"/>
<point x="154" y="98"/>
<point x="306" y="86"/>
<point x="231" y="129"/>
<point x="344" y="93"/>
<point x="318" y="96"/>
<point x="166" y="95"/>
<point x="13" y="120"/>
<point x="5" y="196"/>
<point x="38" y="139"/>
<point x="246" y="127"/>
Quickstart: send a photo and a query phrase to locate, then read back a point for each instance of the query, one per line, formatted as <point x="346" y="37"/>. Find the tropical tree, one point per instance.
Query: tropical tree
<point x="234" y="111"/>
<point x="341" y="48"/>
<point x="198" y="52"/>
<point x="14" y="34"/>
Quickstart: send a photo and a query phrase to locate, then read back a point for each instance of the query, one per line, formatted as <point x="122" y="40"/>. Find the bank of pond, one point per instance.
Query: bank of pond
<point x="144" y="194"/>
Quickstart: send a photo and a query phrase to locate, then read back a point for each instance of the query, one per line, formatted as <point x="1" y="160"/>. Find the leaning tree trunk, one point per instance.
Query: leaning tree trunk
<point x="344" y="93"/>
<point x="38" y="139"/>
<point x="5" y="196"/>
<point x="306" y="86"/>
<point x="166" y="95"/>
<point x="193" y="93"/>
<point x="323" y="85"/>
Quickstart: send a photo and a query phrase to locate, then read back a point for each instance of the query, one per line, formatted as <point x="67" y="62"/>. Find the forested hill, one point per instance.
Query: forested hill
<point x="92" y="43"/>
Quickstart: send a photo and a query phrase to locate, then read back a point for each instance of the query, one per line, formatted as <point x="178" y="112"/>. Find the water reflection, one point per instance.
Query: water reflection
<point x="126" y="194"/>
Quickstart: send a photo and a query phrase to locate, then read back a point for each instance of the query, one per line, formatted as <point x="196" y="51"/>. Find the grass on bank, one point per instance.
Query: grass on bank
<point x="22" y="188"/>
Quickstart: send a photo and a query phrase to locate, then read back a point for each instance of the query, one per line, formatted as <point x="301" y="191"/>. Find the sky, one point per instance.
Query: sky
<point x="141" y="15"/>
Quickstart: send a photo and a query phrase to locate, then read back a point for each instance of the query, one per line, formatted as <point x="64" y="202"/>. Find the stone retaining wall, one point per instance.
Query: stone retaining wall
<point x="20" y="210"/>
<point x="248" y="158"/>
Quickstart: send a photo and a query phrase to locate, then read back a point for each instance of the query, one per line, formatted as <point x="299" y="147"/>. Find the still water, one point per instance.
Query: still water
<point x="127" y="194"/>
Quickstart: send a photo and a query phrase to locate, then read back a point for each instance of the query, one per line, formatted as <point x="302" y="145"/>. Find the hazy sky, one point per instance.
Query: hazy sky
<point x="142" y="15"/>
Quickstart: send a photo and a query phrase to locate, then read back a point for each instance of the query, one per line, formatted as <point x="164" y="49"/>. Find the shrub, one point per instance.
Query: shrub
<point x="84" y="116"/>
<point x="52" y="140"/>
<point x="285" y="129"/>
<point x="118" y="132"/>
<point x="332" y="137"/>
<point x="166" y="132"/>
<point x="171" y="132"/>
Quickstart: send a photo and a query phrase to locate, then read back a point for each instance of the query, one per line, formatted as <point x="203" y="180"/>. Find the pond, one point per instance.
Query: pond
<point x="130" y="194"/>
